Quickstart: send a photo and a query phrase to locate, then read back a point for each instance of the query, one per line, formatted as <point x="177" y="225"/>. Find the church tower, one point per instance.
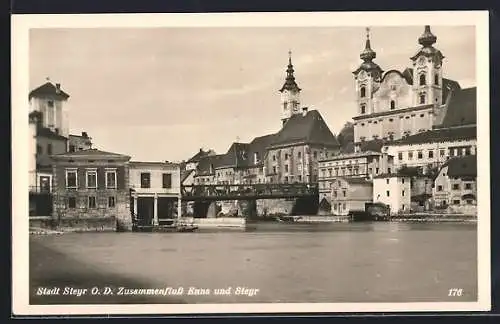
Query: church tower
<point x="367" y="78"/>
<point x="290" y="93"/>
<point x="427" y="71"/>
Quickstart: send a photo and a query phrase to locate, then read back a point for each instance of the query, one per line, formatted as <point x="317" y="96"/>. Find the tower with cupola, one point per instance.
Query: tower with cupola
<point x="290" y="93"/>
<point x="367" y="77"/>
<point x="427" y="71"/>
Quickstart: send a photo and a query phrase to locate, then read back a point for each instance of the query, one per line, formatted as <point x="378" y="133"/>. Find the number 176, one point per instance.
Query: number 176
<point x="455" y="292"/>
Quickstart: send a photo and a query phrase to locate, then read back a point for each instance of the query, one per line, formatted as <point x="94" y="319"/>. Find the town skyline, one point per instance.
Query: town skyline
<point x="156" y="88"/>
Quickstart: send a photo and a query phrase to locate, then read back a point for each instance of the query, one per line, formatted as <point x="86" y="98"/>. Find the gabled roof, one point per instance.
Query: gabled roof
<point x="464" y="166"/>
<point x="372" y="145"/>
<point x="236" y="155"/>
<point x="48" y="89"/>
<point x="439" y="135"/>
<point x="461" y="108"/>
<point x="152" y="163"/>
<point x="92" y="153"/>
<point x="305" y="129"/>
<point x="207" y="164"/>
<point x="449" y="87"/>
<point x="354" y="180"/>
<point x="185" y="174"/>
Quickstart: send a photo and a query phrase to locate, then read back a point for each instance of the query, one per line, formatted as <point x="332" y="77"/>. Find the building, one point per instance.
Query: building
<point x="432" y="148"/>
<point x="365" y="164"/>
<point x="156" y="191"/>
<point x="79" y="142"/>
<point x="393" y="190"/>
<point x="91" y="190"/>
<point x="394" y="104"/>
<point x="350" y="194"/>
<point x="455" y="186"/>
<point x="193" y="161"/>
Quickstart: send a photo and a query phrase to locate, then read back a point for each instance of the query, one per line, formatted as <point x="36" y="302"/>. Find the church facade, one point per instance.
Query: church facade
<point x="395" y="104"/>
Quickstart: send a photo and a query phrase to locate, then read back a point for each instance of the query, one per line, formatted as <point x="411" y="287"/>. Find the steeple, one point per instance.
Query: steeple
<point x="368" y="54"/>
<point x="290" y="83"/>
<point x="427" y="38"/>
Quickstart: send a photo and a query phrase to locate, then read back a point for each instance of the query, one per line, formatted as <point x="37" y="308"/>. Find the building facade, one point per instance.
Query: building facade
<point x="91" y="190"/>
<point x="394" y="191"/>
<point x="350" y="195"/>
<point x="455" y="187"/>
<point x="396" y="104"/>
<point x="156" y="191"/>
<point x="79" y="142"/>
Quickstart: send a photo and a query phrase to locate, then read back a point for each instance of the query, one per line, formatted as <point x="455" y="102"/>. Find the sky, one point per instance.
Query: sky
<point x="161" y="94"/>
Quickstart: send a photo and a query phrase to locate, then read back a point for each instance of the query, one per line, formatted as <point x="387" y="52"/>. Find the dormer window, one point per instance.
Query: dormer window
<point x="362" y="92"/>
<point x="422" y="79"/>
<point x="393" y="105"/>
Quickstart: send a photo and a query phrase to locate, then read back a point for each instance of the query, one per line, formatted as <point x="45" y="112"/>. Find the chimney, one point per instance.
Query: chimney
<point x="201" y="150"/>
<point x="84" y="134"/>
<point x="304" y="111"/>
<point x="58" y="87"/>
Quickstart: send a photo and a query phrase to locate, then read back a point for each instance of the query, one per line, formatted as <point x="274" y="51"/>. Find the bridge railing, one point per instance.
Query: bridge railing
<point x="250" y="190"/>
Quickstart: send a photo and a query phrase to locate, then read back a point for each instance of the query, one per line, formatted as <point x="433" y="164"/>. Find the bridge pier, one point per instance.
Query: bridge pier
<point x="247" y="208"/>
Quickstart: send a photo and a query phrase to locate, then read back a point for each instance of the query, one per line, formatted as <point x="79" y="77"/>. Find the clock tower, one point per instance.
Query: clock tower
<point x="290" y="93"/>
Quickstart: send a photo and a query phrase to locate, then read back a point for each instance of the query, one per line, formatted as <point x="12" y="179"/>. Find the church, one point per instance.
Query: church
<point x="396" y="104"/>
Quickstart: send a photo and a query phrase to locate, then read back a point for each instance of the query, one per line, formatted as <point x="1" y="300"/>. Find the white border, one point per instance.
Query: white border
<point x="20" y="46"/>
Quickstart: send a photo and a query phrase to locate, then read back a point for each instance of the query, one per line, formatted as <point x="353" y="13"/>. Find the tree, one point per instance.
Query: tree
<point x="346" y="134"/>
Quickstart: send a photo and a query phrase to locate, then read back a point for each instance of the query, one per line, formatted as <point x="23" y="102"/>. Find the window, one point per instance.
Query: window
<point x="441" y="153"/>
<point x="71" y="202"/>
<point x="388" y="170"/>
<point x="71" y="148"/>
<point x="403" y="207"/>
<point x="362" y="92"/>
<point x="71" y="179"/>
<point x="339" y="183"/>
<point x="50" y="103"/>
<point x="111" y="202"/>
<point x="468" y="186"/>
<point x="402" y="193"/>
<point x="436" y="79"/>
<point x="274" y="157"/>
<point x="431" y="154"/>
<point x="402" y="180"/>
<point x="49" y="149"/>
<point x="387" y="193"/>
<point x="110" y="179"/>
<point x="419" y="155"/>
<point x="330" y="172"/>
<point x="363" y="111"/>
<point x="410" y="155"/>
<point x="422" y="79"/>
<point x="400" y="156"/>
<point x="344" y="206"/>
<point x="38" y="149"/>
<point x="92" y="179"/>
<point x="300" y="178"/>
<point x="92" y="202"/>
<point x="422" y="99"/>
<point x="145" y="180"/>
<point x="299" y="155"/>
<point x="439" y="188"/>
<point x="315" y="154"/>
<point x="274" y="170"/>
<point x="285" y="179"/>
<point x="467" y="151"/>
<point x="387" y="181"/>
<point x="286" y="156"/>
<point x="456" y="186"/>
<point x="469" y="201"/>
<point x="393" y="104"/>
<point x="334" y="206"/>
<point x="167" y="180"/>
<point x="376" y="170"/>
<point x="335" y="194"/>
<point x="456" y="202"/>
<point x="344" y="193"/>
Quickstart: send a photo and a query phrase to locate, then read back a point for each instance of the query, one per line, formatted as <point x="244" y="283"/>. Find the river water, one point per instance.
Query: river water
<point x="343" y="262"/>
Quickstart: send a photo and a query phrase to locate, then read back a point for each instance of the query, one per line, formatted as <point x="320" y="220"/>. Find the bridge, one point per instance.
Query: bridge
<point x="248" y="191"/>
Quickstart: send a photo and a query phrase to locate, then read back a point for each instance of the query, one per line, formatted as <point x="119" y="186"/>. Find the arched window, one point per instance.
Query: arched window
<point x="393" y="104"/>
<point x="422" y="79"/>
<point x="362" y="92"/>
<point x="422" y="98"/>
<point x="436" y="79"/>
<point x="363" y="109"/>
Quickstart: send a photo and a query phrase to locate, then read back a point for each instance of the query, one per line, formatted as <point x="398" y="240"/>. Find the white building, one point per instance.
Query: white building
<point x="433" y="148"/>
<point x="156" y="190"/>
<point x="394" y="191"/>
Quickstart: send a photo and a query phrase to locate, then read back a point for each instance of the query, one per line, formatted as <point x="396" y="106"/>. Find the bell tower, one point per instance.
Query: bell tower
<point x="427" y="71"/>
<point x="290" y="93"/>
<point x="367" y="78"/>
